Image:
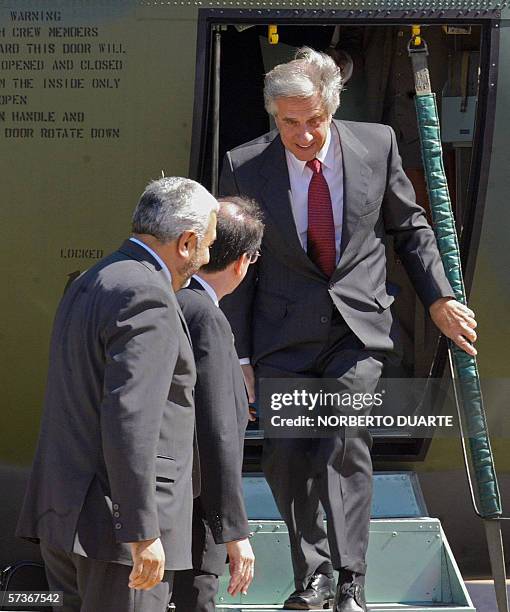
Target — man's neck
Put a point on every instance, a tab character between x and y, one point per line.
154	244
217	281
163	252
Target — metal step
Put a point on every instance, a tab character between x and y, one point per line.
410	564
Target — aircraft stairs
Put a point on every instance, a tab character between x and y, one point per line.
410	564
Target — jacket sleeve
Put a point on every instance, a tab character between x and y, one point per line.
238	306
221	495
140	351
414	240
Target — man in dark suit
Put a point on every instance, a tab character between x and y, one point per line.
110	493
317	304
220	525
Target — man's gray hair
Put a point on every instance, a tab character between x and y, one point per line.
310	73
172	205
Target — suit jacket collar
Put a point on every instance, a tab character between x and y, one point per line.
276	192
197	286
135	251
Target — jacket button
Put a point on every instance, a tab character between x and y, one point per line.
116	514
324	319
118	526
115	506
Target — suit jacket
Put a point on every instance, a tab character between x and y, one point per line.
286	301
219	514
114	458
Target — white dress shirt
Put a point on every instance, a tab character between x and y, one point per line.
156	257
300	175
208	288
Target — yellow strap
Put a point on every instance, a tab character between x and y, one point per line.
272	34
416	35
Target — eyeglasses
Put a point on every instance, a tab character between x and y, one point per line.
253	256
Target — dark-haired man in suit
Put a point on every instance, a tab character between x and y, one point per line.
110	493
317	305
220	525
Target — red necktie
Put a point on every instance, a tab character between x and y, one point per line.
321	226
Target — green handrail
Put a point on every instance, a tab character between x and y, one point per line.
465	365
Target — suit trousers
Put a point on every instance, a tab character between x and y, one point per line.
195	591
90	585
332	475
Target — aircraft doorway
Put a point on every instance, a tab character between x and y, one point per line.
235	54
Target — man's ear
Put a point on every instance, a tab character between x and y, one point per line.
187	244
240	263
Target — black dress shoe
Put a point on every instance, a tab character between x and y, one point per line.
350	597
320	593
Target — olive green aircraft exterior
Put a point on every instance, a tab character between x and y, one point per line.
96	99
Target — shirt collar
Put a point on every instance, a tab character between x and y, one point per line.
164	267
326	156
208	288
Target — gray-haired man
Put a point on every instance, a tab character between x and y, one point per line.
220	525
110	493
318	304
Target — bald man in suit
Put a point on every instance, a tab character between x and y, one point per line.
220	524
